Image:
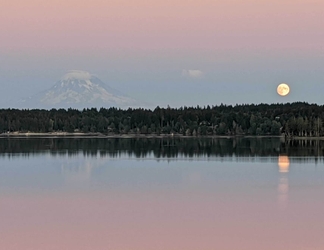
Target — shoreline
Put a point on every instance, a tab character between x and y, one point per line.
116	136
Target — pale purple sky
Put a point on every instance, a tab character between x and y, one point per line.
167	52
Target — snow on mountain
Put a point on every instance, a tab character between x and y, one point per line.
80	89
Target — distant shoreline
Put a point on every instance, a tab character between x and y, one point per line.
288	121
100	135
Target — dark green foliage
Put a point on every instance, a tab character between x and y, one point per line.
293	119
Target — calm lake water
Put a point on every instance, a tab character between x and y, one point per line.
161	194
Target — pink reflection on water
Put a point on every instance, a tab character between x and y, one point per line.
283	185
159	220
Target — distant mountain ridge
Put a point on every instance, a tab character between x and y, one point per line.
80	89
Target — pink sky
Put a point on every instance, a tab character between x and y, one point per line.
141	48
160	24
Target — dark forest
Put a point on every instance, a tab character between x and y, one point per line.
290	119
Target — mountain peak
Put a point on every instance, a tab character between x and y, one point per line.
79	89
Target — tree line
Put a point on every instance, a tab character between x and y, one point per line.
291	119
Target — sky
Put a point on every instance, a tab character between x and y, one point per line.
165	52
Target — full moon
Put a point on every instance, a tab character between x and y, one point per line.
283	89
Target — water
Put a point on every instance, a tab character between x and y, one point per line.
143	194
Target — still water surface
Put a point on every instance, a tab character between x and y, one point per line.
174	194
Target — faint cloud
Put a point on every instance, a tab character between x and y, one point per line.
192	73
77	74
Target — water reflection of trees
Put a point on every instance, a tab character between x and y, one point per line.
164	148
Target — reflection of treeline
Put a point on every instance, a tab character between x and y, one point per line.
295	119
163	148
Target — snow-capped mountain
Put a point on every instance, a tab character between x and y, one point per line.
80	89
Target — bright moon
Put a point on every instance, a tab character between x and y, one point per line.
283	89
